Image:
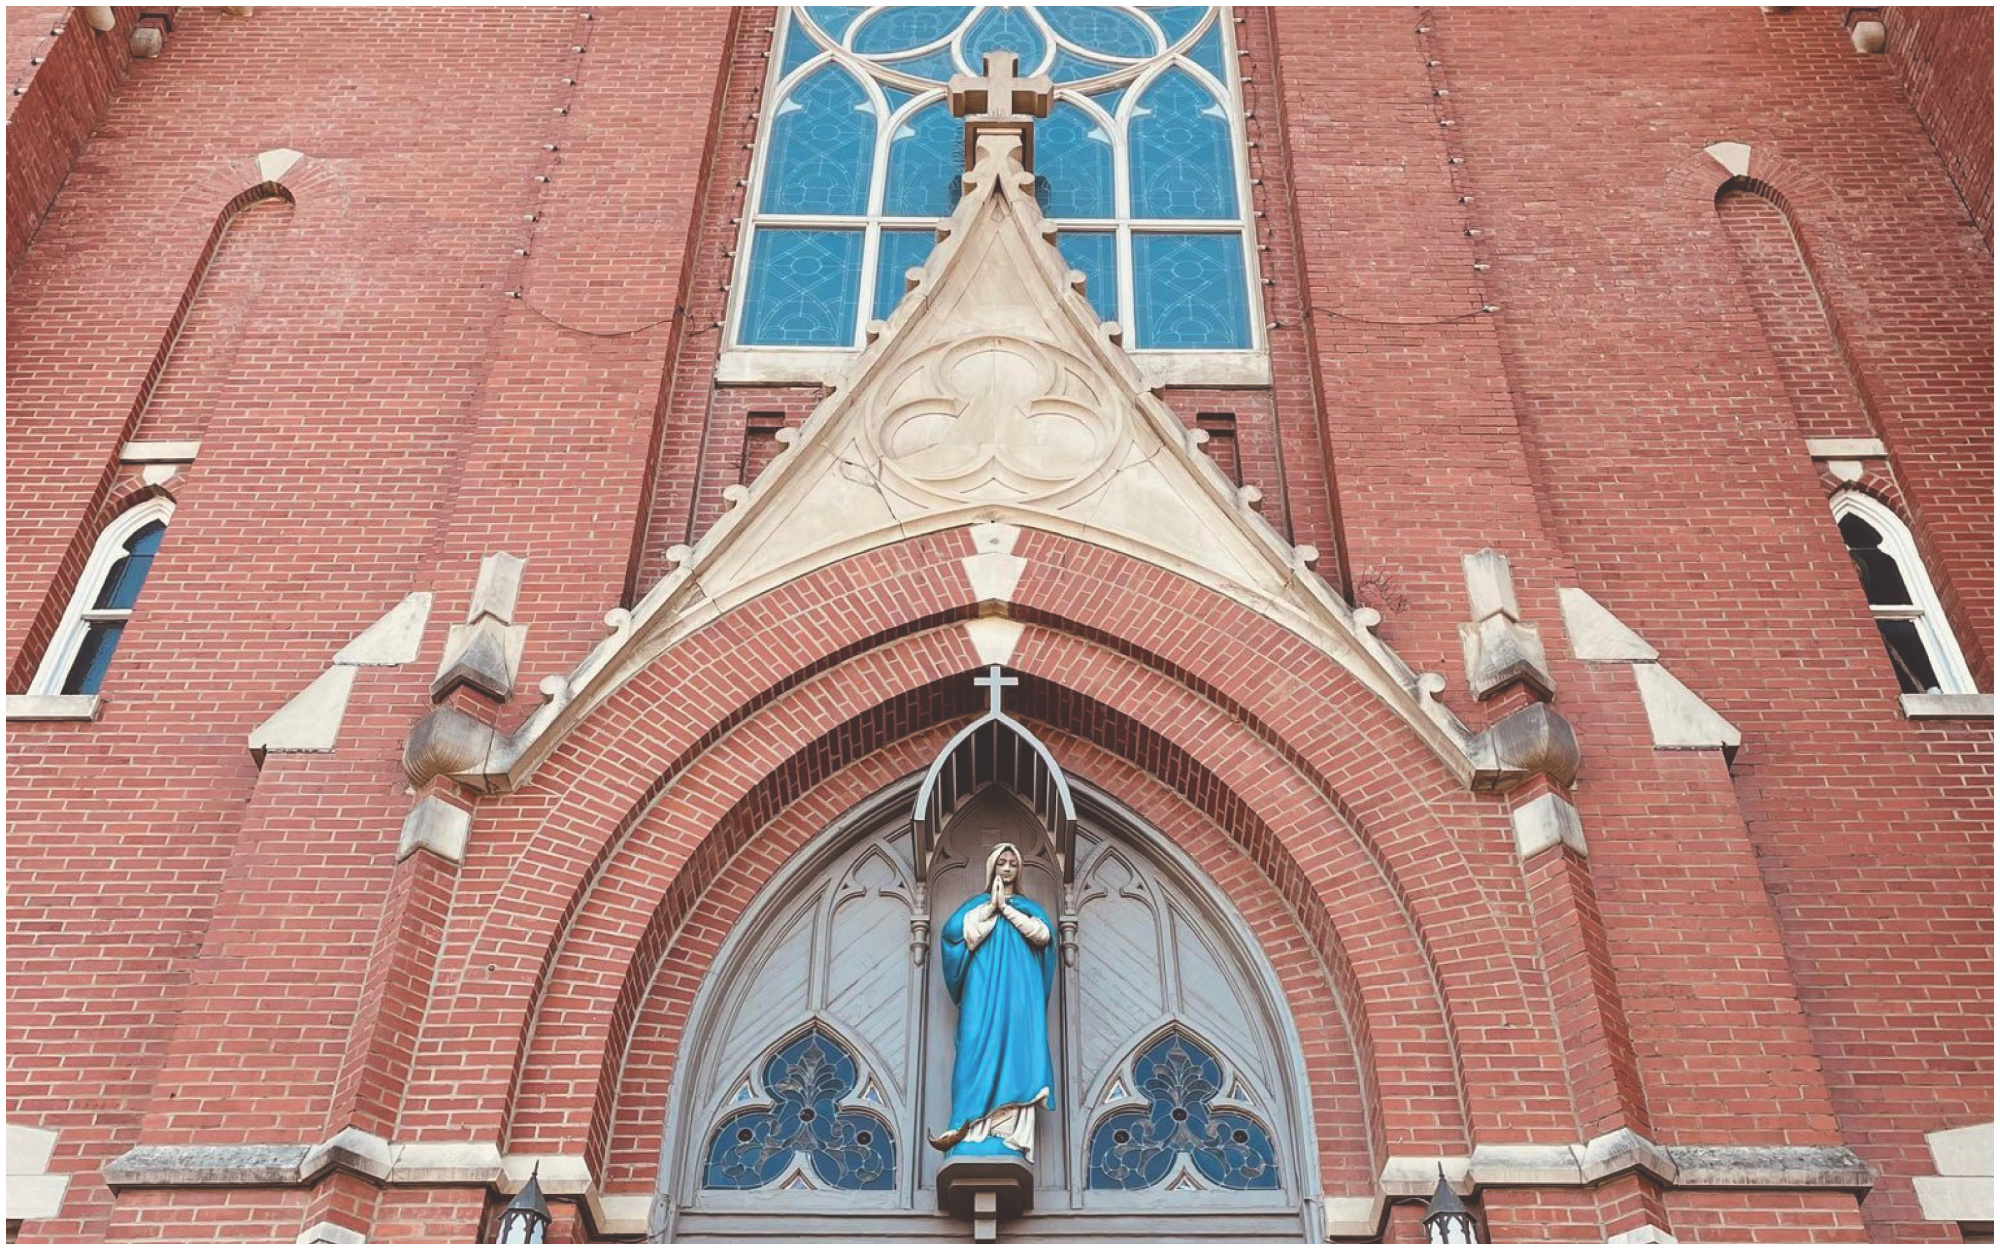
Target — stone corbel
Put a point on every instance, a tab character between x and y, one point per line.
485	652
1534	739
1500	648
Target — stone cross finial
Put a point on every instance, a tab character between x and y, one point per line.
997	102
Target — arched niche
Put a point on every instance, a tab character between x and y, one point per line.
1164	1003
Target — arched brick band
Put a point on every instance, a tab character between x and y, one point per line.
1313	743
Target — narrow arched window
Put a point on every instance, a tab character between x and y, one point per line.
1919	640
1141	164
86	637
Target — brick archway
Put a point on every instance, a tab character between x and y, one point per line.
1404	883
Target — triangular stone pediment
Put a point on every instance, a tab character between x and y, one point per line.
994	397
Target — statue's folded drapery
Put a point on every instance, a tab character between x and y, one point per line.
1001	981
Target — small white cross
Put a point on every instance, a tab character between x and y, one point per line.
997	93
993	682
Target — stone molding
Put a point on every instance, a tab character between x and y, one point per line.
309	722
1680	719
567	1175
1500	648
1962	1190
38	707
1948	706
435	826
328	1233
485	652
33	1192
1547	821
156	452
920	435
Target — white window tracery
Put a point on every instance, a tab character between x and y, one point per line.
86	636
1905	605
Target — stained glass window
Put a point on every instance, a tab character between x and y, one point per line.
1179	1081
803	1121
93	623
804	287
1140	162
1921	647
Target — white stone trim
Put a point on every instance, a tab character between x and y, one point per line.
1954	676
1948	706
1679	718
994	638
394	638
1847	449
34	707
158	453
1962	1191
1732	156
310	721
1596	635
825	366
1548	821
435	826
1643	1235
33	1192
74	624
328	1233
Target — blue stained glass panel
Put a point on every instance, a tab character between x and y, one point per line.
850	1148
822	146
1069	67
1096	255
1136	1149
1189	291
799	48
1207	52
1108	100
128	573
935	66
1005	30
901	250
1072	164
93	658
926	161
904	27
834	18
1101	30
1181	159
804	288
1176	20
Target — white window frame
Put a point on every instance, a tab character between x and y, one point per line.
78	615
1933	628
751	363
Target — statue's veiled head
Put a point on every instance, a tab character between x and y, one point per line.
1003	867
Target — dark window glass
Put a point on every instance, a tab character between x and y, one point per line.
122	583
1906	651
93	659
1881	580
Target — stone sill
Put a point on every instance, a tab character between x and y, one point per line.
823	366
1948	706
36	707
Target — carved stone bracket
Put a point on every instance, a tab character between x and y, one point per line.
1499	648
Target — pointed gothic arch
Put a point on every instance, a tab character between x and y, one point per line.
1161	958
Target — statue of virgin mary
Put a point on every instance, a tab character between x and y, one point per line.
999	966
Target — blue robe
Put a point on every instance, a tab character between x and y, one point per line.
1002	991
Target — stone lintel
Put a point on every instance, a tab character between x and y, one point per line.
1948	706
33	707
1847	449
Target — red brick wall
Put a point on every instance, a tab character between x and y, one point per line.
61	74
1800	942
1944	58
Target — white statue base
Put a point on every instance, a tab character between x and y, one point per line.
985	1190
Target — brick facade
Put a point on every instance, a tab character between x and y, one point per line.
430	285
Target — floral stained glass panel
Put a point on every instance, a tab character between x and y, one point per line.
1182	164
1188	291
806	1081
1180	1080
822	145
804	287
